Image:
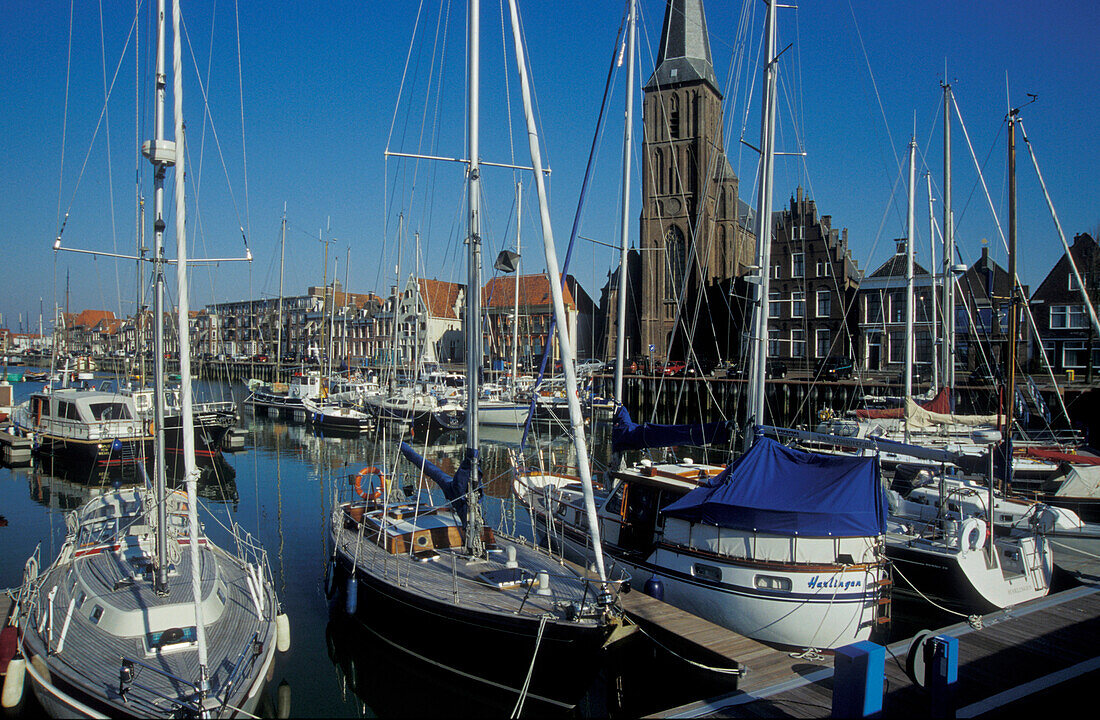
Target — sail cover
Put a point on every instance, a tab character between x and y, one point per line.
454	488
629	435
776	489
939	404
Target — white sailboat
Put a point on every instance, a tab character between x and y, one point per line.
141	614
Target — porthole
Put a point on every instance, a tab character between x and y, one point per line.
772	582
707	572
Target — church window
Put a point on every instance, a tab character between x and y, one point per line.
659	171
676	254
674	117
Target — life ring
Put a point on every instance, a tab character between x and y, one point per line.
152	427
375	494
967	530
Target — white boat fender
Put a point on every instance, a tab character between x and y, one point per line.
13	682
282	632
510	553
282	701
967	539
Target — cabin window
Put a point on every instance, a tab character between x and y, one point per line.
109	410
707	572
615	503
97	613
773	582
165	639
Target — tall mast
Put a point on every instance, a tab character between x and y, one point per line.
759	337
279	321
911	230
568	363
515	316
186	413
162	153
948	356
624	217
933	265
344	309
474	544
1010	386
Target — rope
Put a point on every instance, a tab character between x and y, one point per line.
725	671
518	709
975	621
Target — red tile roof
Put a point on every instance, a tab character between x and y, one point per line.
534	290
441	297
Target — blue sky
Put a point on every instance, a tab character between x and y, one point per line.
320	84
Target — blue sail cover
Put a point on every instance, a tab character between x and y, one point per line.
629	435
454	489
776	489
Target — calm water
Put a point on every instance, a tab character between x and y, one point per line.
281	488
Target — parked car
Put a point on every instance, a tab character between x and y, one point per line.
834	368
587	367
674	367
699	367
773	369
261	357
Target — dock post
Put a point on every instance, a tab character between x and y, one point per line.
941	658
858	672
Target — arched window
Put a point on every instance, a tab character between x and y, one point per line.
659	172
676	258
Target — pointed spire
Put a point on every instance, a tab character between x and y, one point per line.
684	54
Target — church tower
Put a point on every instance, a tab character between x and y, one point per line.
692	234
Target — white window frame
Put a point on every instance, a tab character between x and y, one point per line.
827	295
798	343
820	333
797	259
775	307
822	268
798	304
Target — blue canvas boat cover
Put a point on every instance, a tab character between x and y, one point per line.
629	435
776	489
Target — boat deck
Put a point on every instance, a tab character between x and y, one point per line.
91	658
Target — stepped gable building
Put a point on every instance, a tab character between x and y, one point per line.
692	234
1060	313
812	286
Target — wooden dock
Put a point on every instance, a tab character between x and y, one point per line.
1028	654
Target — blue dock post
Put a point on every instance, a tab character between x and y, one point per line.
858	672
941	660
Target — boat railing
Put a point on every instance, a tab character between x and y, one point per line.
127	678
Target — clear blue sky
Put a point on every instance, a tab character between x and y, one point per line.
321	82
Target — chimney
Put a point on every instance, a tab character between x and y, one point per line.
901	246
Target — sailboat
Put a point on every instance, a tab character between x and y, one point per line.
432	579
141	614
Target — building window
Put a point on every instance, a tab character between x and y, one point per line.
798	304
774	308
822	342
798	343
873	308
897	347
824	303
798	265
1074	354
773	342
777	272
822	268
1073	286
923	348
1067	317
897	307
676	249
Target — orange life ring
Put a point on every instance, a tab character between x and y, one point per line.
376	494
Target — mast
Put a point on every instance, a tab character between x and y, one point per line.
948	354
279	322
186	413
624	217
515	316
911	231
576	420
935	300
474	543
344	310
1010	386
161	154
759	338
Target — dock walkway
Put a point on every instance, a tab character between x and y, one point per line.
1018	654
